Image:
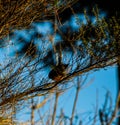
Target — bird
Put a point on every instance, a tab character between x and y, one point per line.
58	72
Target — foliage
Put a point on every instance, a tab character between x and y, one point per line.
91	46
20	14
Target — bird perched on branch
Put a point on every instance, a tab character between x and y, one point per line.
58	72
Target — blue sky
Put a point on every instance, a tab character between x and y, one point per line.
101	82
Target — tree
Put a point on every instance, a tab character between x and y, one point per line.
91	46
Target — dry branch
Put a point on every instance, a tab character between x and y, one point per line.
19	14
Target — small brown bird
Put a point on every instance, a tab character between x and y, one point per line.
58	72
